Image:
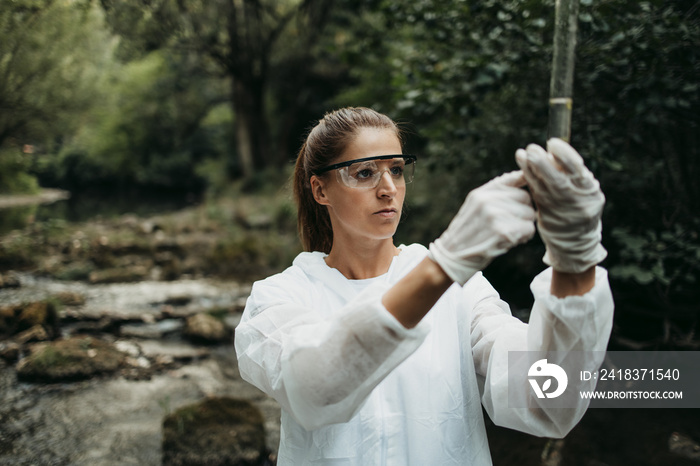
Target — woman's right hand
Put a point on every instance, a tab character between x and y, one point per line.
494	217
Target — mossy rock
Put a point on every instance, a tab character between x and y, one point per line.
213	432
74	271
8	318
130	274
37	313
19	317
76	358
69	298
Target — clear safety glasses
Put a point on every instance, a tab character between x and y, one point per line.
367	172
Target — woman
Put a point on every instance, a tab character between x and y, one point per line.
380	354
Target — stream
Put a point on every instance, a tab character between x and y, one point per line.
116	419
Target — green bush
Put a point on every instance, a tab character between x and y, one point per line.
14	176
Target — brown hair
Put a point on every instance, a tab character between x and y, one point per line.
326	142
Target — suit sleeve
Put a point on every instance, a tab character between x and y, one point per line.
580	324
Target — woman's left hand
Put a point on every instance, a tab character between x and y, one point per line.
569	205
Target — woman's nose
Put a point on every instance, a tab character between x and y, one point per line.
387	186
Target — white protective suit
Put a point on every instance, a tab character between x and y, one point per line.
358	388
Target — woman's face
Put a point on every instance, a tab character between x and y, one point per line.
363	214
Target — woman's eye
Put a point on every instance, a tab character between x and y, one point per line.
364	174
397	171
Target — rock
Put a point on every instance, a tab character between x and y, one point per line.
37	313
179	312
149	226
167	266
8	318
153	331
170	351
216	431
9	280
36	333
118	275
69	298
552	453
684	446
74	271
128	347
205	328
181	300
9	351
76	358
104	324
21	317
169	245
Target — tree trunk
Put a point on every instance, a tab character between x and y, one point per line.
251	128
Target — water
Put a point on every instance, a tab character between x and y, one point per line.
115	420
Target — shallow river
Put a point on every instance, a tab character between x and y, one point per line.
112	420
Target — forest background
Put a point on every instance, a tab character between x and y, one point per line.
212	100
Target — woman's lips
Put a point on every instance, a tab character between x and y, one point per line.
386	213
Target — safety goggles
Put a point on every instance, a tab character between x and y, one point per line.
367	172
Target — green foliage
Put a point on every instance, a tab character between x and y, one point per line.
17	251
456	72
13	173
15	218
670	259
50	52
151	129
265	50
50	58
473	78
640	108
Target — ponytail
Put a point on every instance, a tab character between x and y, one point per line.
313	221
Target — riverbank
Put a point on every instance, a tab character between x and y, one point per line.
239	236
45	196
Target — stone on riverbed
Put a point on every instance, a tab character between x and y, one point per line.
9	280
20	317
153	331
69	298
215	431
76	358
36	333
205	328
134	273
9	351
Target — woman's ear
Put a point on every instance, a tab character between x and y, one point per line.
318	189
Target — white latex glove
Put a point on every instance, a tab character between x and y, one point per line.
494	218
569	205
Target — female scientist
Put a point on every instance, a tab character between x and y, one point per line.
384	355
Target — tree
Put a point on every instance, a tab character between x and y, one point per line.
50	52
146	131
241	41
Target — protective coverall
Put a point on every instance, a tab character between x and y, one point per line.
358	388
